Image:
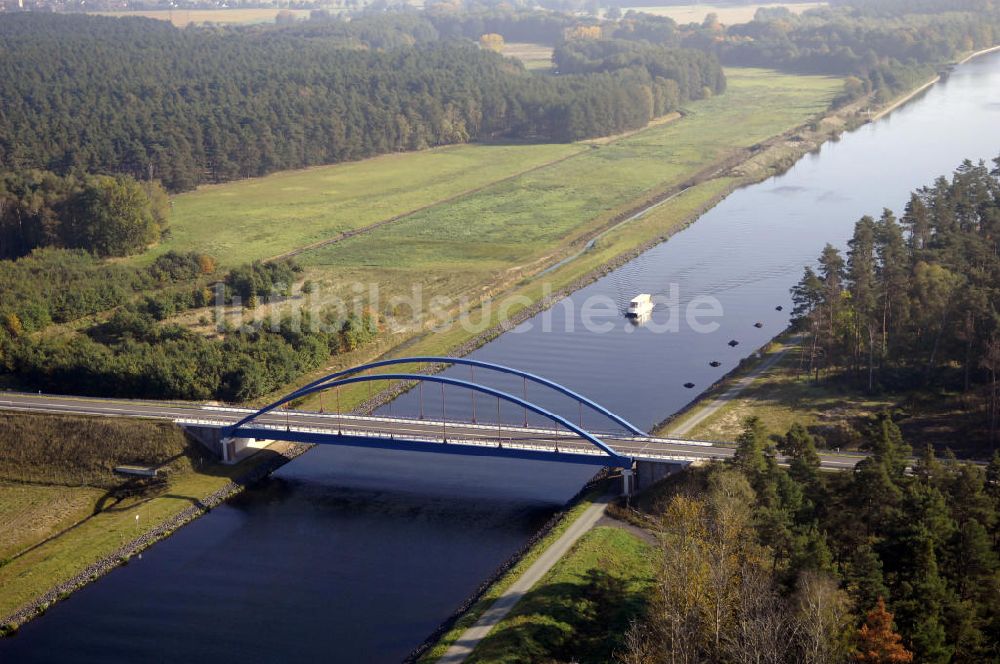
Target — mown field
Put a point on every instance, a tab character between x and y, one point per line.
515	225
534	57
61	507
728	15
184	17
262	217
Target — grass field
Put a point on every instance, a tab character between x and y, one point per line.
470	617
515	225
728	15
781	396
489	241
535	57
263	217
184	17
580	610
58	518
504	228
252	219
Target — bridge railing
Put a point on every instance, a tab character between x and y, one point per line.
503	443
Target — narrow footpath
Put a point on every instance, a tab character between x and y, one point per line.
468	641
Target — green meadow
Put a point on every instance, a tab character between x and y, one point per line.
473	221
246	220
524	219
461	196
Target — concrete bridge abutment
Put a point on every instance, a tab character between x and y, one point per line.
229	450
645	474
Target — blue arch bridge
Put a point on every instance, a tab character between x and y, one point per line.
563	440
235	432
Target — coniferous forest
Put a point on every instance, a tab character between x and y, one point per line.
140	97
895	562
914	301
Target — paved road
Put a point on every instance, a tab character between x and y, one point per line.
431	432
497	611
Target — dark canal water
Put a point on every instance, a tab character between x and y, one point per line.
355	557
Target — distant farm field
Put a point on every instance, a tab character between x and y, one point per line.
727	15
184	17
534	57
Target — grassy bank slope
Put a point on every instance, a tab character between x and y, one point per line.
61	506
835	410
579	611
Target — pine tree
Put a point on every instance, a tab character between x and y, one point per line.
922	597
864	296
885	440
800	446
751	451
865	582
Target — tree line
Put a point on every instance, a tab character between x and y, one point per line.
886	46
124	343
57	286
139	97
759	563
886	51
133	355
109	216
688	73
88	94
915	300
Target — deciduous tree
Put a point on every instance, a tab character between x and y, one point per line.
877	643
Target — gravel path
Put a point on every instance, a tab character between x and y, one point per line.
503	604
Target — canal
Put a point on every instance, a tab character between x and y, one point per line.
356	556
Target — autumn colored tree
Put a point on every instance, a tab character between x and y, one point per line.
14	325
206	264
582	32
877	642
491	41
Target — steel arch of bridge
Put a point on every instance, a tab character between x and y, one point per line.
499	368
611	457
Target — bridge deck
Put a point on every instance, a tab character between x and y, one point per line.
482	439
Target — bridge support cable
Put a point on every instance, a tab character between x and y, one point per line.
526	376
472	379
